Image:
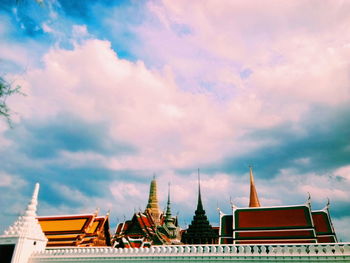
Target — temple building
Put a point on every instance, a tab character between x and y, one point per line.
151	227
275	225
200	231
82	230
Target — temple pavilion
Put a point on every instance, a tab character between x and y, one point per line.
151	227
257	224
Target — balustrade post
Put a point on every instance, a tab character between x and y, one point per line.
283	250
186	250
277	250
312	250
234	249
240	250
337	250
347	249
255	250
200	249
247	250
193	249
263	250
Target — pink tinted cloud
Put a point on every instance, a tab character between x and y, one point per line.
170	127
297	51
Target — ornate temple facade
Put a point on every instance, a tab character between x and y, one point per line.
151	227
275	225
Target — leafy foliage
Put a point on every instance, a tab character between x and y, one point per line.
7	89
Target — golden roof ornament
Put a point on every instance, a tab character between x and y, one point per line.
254	199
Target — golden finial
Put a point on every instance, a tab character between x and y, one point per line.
254	200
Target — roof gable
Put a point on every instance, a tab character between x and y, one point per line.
322	223
65	224
289	217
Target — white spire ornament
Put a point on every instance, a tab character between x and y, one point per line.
26	233
27	225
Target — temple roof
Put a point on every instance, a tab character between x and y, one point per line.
284	217
141	226
69	224
76	230
254	225
279	224
323	225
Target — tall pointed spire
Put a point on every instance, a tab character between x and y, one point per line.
152	206
168	209
254	200
199	231
169	220
199	203
31	208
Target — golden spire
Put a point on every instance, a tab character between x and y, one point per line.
152	206
254	200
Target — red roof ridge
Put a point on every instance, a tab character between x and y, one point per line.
69	216
266	207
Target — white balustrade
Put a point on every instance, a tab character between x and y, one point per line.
341	250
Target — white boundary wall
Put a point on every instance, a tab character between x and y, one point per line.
333	252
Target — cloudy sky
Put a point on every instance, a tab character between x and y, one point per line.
119	90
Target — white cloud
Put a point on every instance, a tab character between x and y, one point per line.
171	128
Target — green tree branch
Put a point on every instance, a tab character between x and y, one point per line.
7	89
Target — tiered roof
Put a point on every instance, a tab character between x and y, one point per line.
133	233
199	231
268	225
76	230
